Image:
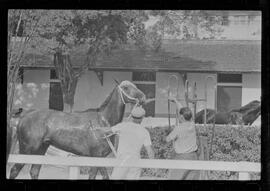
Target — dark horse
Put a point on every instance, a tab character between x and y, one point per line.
15	113
72	132
244	115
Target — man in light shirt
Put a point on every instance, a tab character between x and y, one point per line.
132	137
185	144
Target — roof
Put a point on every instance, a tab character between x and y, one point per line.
199	55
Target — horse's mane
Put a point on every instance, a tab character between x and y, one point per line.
104	104
248	107
101	107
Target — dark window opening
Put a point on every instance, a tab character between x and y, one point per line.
144	76
229	78
56	101
149	91
228	98
225	20
53	74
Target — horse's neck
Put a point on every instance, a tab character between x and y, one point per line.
113	111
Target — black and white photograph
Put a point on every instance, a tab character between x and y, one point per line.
134	94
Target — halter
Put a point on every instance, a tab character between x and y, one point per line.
128	96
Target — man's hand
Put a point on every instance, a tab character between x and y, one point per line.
172	99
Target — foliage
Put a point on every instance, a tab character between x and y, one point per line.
100	31
186	25
22	26
229	144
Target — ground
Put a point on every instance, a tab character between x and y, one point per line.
58	173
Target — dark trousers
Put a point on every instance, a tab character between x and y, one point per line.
182	174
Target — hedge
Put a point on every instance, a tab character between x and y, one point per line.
229	144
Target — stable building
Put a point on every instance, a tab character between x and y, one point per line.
234	65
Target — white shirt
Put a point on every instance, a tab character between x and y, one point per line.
185	135
132	137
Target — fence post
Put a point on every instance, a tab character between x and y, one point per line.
244	176
74	172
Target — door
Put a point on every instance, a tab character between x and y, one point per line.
228	98
146	82
149	91
56	97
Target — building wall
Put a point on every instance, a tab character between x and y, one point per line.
91	94
200	79
162	87
251	89
34	92
242	27
161	104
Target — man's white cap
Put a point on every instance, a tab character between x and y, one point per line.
138	112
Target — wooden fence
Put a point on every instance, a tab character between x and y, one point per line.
244	168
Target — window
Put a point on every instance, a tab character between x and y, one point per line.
229	92
146	82
229	78
53	75
240	20
56	96
144	76
225	20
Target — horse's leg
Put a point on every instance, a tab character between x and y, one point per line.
35	168
93	172
15	170
103	171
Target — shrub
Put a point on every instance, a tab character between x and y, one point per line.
229	144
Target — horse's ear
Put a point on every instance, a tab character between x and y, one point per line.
116	81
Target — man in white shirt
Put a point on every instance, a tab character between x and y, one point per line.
132	137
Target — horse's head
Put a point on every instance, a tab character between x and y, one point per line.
130	93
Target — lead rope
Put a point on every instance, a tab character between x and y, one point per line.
110	144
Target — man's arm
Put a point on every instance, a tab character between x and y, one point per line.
178	103
150	152
112	129
173	135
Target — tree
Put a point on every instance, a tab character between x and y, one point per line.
185	25
98	31
22	26
60	32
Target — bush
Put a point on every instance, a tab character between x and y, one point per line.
229	144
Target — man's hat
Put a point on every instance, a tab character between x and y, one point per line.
138	112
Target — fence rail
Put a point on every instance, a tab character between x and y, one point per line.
244	168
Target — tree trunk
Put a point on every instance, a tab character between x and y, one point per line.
68	79
67	108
